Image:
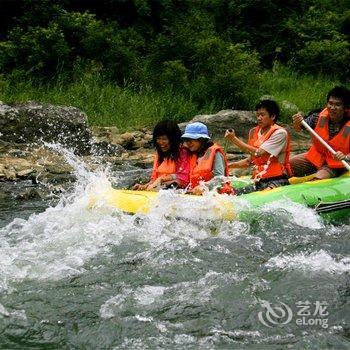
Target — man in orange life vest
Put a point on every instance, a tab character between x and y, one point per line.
208	159
333	125
268	148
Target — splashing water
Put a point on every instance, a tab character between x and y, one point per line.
315	261
56	243
99	278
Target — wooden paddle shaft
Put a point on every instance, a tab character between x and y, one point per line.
324	143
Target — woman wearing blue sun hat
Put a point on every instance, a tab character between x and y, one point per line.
208	158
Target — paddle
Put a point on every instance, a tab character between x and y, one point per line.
324	143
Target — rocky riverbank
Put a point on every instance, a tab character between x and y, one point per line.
30	133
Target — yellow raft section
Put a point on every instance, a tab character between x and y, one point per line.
215	207
129	201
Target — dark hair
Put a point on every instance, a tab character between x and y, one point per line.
170	129
205	144
340	93
271	106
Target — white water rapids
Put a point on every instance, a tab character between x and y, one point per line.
173	277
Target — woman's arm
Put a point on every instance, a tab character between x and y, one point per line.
142	187
219	165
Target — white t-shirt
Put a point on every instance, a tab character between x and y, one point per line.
276	144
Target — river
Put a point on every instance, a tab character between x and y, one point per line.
79	278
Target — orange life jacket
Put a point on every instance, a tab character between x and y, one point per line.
166	167
267	166
318	154
203	171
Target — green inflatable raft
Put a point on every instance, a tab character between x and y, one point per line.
329	198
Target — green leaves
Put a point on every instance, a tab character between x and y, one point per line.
35	52
208	49
328	57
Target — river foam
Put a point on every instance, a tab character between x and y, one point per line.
58	242
321	261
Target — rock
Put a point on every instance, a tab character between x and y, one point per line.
143	143
18	164
58	168
103	136
127	140
18	153
143	139
103	131
34	122
140	156
25	173
2	169
55	179
29	193
240	121
104	148
10	174
300	141
130	140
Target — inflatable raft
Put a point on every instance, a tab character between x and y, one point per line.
329	198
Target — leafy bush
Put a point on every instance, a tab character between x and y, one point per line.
328	57
37	52
39	13
174	75
209	50
227	73
42	52
318	45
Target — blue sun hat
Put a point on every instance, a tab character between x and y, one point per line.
196	131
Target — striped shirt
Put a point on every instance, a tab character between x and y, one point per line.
334	128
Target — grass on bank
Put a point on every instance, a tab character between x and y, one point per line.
295	92
109	105
106	104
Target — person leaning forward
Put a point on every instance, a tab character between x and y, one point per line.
333	124
268	148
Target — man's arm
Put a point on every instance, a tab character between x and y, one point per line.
311	120
244	163
251	150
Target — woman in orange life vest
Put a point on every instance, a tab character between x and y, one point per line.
171	166
208	159
268	148
333	125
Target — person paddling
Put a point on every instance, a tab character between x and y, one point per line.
171	166
332	123
268	147
208	159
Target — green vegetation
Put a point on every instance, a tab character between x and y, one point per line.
295	92
131	63
107	104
